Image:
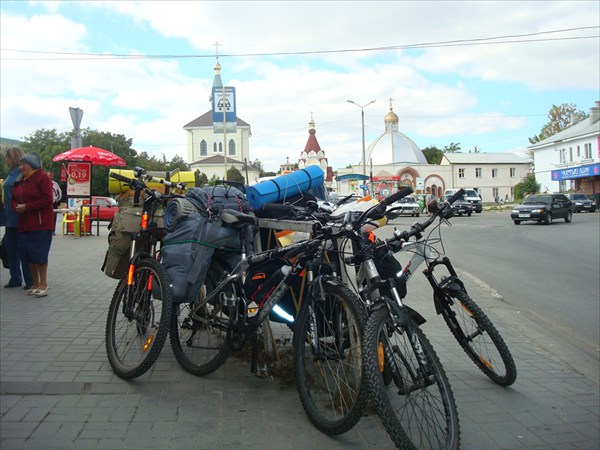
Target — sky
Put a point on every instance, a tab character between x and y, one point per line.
480	74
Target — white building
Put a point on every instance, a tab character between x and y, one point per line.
492	175
569	161
207	150
397	160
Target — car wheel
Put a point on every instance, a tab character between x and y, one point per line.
459	214
469	214
569	216
417	214
548	218
517	222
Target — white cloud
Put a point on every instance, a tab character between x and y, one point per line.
438	93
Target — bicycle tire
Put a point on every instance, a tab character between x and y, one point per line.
339	317
200	348
416	416
133	345
478	337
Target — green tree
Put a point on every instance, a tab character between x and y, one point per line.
452	148
559	118
233	174
527	186
433	155
200	178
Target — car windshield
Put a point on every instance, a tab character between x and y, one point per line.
407	200
578	197
471	193
538	199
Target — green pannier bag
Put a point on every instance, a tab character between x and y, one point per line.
125	222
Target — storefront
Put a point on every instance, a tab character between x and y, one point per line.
585	178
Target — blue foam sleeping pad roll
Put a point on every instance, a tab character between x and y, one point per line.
285	186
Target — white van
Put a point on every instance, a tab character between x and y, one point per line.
471	196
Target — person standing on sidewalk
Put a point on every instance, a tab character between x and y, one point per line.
32	200
19	270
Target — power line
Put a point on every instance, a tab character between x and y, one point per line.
494	40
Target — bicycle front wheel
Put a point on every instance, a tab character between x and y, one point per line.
328	357
199	330
478	337
138	320
408	385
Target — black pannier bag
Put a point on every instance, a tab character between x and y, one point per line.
193	235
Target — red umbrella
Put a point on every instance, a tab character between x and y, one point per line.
97	156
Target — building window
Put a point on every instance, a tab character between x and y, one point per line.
579	151
461	173
495	194
563	155
587	149
478	172
203	148
513	172
494	173
231	150
570	153
218	148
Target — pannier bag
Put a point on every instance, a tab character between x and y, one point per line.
193	236
125	222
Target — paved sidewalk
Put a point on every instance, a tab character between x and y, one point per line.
57	389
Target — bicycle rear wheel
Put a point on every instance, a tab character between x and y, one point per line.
478	337
408	385
135	338
327	346
199	341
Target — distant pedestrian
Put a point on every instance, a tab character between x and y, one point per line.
597	197
18	267
32	201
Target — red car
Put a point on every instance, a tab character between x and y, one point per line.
107	208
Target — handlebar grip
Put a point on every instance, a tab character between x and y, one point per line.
118	176
397	196
456	195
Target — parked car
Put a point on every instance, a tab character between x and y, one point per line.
460	206
582	202
407	205
543	208
471	196
107	208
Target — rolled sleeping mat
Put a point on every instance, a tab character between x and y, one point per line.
285	186
177	209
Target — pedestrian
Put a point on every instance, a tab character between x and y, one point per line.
18	267
597	198
32	200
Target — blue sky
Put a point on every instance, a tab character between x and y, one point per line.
493	95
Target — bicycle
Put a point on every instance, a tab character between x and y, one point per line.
139	314
471	327
408	385
327	333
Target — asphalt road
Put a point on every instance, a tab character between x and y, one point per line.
548	272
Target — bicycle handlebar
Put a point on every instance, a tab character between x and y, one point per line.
137	183
417	228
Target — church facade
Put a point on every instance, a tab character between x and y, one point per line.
396	161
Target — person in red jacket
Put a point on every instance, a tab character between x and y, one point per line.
32	201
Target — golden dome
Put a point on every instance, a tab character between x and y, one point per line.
391	117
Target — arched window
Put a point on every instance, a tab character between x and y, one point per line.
203	148
231	150
218	147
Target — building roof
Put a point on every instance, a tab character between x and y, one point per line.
485	158
206	120
216	160
585	127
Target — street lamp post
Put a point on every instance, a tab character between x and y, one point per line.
362	117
